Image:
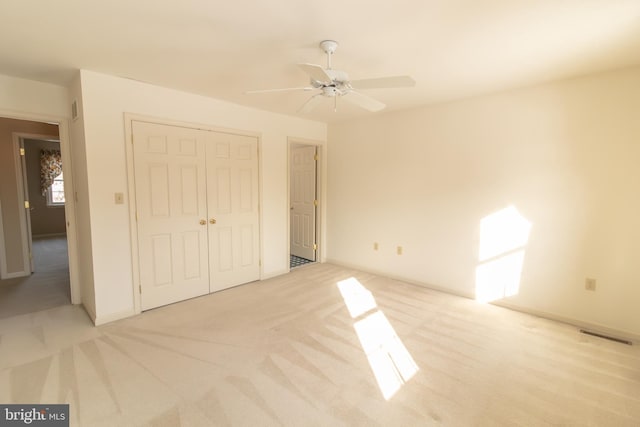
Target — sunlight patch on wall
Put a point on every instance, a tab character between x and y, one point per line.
503	239
390	361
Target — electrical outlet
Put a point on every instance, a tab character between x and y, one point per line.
375	246
399	250
590	284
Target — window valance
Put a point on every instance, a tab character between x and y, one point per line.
50	168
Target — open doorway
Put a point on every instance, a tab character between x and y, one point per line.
303	200
35	261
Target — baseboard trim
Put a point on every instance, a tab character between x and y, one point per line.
44	236
113	317
581	324
17	274
273	274
401	278
90	312
628	335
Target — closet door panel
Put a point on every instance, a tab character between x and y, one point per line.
232	183
170	182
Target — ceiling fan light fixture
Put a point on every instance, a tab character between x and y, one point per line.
330	91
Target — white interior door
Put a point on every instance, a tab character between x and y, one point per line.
303	202
232	198
27	206
170	182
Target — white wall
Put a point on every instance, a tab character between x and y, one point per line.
28	96
105	100
565	155
82	196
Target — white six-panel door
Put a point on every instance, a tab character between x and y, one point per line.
197	211
232	196
170	178
302	198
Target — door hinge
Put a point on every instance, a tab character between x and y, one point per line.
26	204
315	157
21	151
315	247
140	288
315	202
259	263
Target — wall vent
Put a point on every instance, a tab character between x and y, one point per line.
606	337
74	109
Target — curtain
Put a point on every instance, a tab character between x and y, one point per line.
50	168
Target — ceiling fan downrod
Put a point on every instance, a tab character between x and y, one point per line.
329	46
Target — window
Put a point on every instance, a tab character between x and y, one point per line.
51	179
55	193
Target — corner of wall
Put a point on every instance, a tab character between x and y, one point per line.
81	195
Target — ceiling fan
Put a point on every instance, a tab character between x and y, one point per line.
332	83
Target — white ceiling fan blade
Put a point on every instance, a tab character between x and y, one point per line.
286	89
363	101
316	72
383	82
311	103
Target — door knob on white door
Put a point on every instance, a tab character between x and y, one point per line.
212	221
203	222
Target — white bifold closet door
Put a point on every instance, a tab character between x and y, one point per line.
197	211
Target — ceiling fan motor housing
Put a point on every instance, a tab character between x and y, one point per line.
330	91
339	84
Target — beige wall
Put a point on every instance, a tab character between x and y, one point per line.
11	211
565	155
45	220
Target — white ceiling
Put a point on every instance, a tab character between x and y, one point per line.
452	48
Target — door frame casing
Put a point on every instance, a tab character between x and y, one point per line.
129	118
69	207
320	196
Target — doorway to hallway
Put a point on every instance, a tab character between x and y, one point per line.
303	199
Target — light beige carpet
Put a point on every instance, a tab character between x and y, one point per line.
321	346
46	288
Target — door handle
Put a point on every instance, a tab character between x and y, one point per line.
212	221
203	222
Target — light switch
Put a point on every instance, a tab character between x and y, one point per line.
119	198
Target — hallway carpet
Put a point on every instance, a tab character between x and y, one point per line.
46	288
